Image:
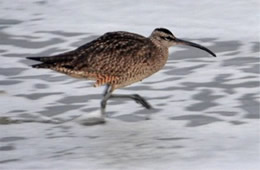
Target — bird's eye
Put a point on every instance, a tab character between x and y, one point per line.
169	38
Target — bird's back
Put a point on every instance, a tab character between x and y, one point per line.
116	58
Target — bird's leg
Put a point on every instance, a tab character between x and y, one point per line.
107	89
107	95
135	97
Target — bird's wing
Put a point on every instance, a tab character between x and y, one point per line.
106	59
114	54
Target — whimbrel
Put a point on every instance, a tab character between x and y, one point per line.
117	59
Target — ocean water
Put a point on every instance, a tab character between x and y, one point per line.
206	110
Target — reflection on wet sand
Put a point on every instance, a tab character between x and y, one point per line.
204	109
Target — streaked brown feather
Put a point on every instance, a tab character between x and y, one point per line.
116	58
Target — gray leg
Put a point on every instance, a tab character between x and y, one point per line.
135	97
108	94
107	90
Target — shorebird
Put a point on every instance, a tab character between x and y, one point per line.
117	59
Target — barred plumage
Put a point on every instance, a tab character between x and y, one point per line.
117	59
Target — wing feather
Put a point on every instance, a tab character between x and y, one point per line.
114	53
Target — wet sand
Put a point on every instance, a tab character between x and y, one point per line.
205	116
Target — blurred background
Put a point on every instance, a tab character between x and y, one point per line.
206	110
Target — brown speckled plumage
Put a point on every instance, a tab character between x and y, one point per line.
117	59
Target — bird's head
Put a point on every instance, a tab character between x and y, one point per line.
164	37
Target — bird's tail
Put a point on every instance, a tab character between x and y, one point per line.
43	65
48	62
45	62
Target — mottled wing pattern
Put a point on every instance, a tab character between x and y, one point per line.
111	58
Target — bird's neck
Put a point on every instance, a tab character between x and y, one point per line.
159	45
163	51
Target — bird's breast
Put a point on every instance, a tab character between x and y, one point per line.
144	69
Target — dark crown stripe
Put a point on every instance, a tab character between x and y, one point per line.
164	30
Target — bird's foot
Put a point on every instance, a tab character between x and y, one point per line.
141	101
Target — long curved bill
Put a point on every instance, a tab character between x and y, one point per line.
184	42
